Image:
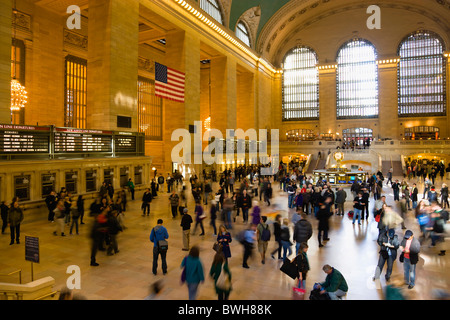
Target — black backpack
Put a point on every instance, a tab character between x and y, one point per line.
265	234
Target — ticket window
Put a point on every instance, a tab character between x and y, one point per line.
48	184
91	181
22	187
71	182
108	175
138	175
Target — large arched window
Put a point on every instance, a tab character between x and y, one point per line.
357	80
212	8
300	85
421	75
242	33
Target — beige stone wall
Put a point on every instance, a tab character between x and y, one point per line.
5	61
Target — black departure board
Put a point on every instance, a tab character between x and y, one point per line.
16	139
125	142
70	140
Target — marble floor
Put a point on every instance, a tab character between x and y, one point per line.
352	249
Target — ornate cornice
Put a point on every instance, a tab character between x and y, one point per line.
75	39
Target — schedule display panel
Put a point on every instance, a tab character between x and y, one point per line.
23	139
71	140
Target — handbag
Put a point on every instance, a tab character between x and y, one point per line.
217	247
223	281
402	257
298	293
290	268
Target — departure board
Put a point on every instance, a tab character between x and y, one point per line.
70	140
125	142
16	139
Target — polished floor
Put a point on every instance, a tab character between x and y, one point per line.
352	249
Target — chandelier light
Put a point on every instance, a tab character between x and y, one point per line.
18	95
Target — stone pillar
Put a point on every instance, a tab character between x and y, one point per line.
5	60
223	93
327	101
387	102
182	54
245	101
112	63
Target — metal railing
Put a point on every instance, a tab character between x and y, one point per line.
19	271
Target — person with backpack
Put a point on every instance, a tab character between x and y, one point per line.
263	237
219	269
158	235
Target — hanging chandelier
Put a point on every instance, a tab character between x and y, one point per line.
18	95
18	92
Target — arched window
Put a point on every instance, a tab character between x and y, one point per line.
421	76
242	33
357	80
212	8
300	85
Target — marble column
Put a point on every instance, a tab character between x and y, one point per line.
5	60
387	102
112	63
327	101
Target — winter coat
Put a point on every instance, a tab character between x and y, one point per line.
302	231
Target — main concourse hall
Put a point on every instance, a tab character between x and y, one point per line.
121	113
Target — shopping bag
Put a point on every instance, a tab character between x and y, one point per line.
290	268
298	293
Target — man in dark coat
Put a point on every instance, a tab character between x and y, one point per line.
323	215
51	201
302	231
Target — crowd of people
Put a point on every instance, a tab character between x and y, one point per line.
233	197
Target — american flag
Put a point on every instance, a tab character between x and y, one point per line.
169	83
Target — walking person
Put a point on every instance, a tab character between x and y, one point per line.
75	213
410	248
286	239
389	243
224	239
248	241
59	217
114	228
98	234
158	235
277	235
341	197
80	207
263	237
302	232
146	200
186	221
174	200
199	217
358	206
194	271
219	267
323	215
15	218
130	185
51	201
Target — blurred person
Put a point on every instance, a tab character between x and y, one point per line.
213	216
394	289
98	234
4	208
410	248
194	271
59	217
174	200
114	228
224	238
262	237
248	242
199	217
15	218
340	199
218	266
186	221
277	235
75	215
323	215
80	207
389	243
286	239
335	284
156	289
444	196
159	233
51	201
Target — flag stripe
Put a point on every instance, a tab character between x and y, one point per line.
173	88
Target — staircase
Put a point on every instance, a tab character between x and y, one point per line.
316	164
